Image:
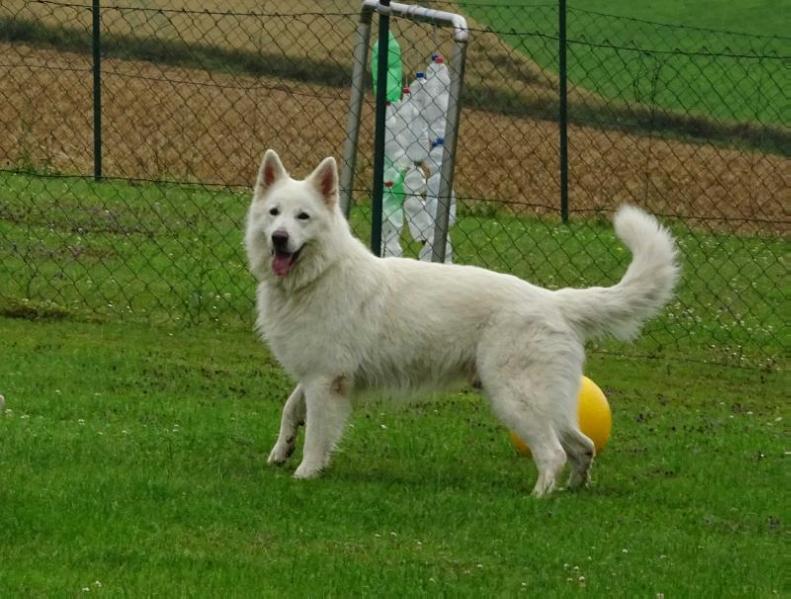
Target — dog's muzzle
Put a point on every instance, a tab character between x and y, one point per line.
282	259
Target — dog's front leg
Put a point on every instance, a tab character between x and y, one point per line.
293	417
328	407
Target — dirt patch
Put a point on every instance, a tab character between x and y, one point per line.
193	125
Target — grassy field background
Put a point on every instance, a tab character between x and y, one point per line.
622	51
619	67
757	17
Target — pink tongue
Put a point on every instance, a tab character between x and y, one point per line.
281	264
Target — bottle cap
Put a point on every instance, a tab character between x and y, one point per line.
388	183
440	141
406	90
420	75
439	59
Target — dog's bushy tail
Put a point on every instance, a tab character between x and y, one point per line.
646	287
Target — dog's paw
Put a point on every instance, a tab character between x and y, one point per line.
280	453
578	480
306	471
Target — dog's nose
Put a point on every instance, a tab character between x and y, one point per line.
280	239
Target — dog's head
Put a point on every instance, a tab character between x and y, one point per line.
290	222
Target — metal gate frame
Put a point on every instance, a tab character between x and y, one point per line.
460	37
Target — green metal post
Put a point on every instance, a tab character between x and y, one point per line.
379	134
563	116
97	92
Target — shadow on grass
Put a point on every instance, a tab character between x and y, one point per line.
33	310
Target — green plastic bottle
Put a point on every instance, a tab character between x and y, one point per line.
395	193
394	69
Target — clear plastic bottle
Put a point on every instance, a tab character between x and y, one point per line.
394	153
437	88
434	161
440	70
418	87
411	130
417	217
419	149
434	164
417	144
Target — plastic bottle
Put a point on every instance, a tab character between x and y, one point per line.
418	150
392	212
394	69
417	146
394	153
438	68
437	88
434	164
435	155
418	87
411	130
417	217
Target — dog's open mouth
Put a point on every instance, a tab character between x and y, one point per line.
283	262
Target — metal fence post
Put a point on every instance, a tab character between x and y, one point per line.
379	133
97	92
563	113
355	111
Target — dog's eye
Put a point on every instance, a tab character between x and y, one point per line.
303	216
274	211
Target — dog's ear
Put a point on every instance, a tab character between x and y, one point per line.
271	171
325	180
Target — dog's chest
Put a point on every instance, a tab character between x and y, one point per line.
306	333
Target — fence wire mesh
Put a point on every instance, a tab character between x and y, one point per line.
690	123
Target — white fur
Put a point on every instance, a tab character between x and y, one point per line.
343	322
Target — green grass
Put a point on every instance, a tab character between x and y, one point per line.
134	457
755	17
172	254
678	71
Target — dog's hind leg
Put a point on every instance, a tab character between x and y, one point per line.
580	451
327	408
531	376
519	405
293	417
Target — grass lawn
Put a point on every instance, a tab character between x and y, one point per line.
133	463
602	58
756	17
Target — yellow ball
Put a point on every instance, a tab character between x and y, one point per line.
593	413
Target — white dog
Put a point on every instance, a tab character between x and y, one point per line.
342	321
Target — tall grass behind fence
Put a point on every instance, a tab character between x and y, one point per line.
690	123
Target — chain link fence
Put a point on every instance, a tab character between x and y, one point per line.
144	220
